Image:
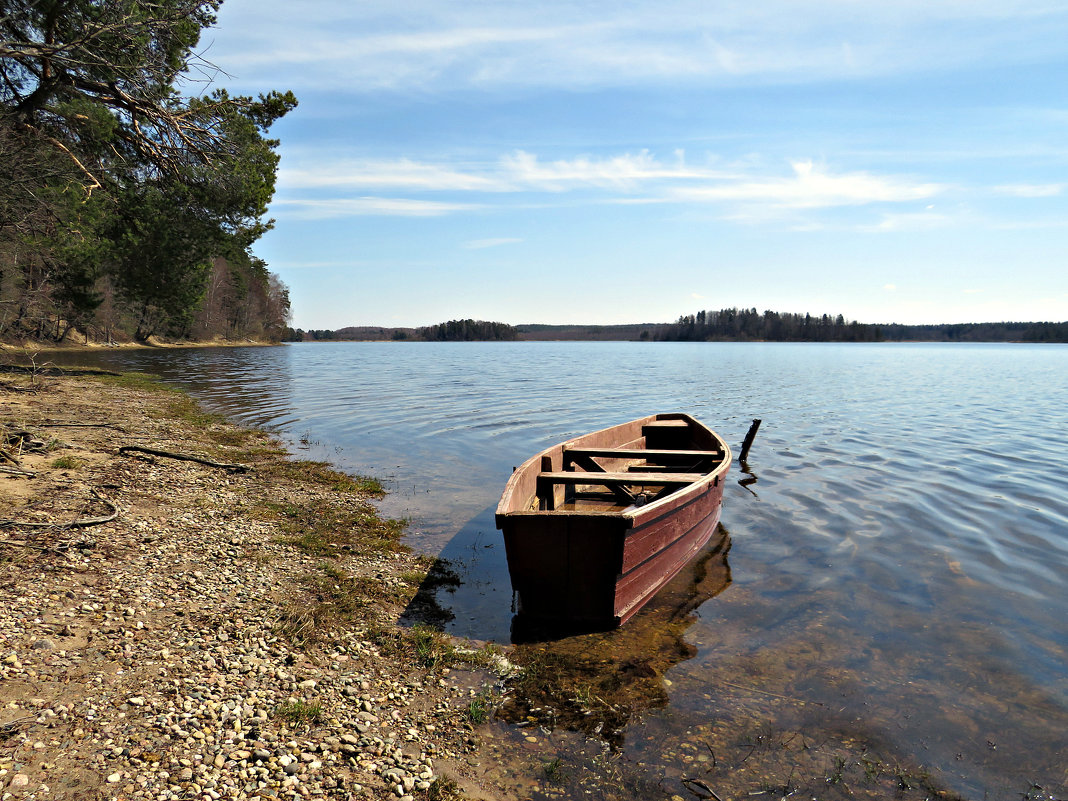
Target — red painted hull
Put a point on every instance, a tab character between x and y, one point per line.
585	563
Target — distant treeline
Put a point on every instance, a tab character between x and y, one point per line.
978	332
451	331
748	324
725	325
468	331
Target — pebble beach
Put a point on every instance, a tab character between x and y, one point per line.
197	645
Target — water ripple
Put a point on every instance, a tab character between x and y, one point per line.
915	495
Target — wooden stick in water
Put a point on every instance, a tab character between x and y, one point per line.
748	442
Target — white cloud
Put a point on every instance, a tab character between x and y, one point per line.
813	187
321	209
746	192
511	173
399	173
431	44
623	172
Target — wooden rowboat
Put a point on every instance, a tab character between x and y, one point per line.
594	526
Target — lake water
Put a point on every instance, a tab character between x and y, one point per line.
894	569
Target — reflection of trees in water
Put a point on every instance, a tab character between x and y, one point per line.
594	683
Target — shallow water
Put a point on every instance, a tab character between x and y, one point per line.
899	562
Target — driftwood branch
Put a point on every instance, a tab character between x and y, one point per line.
16	471
234	468
14	725
76	425
83	522
61	548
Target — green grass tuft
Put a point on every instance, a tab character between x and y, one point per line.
298	713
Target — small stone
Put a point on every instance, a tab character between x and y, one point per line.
20	780
114	777
44	644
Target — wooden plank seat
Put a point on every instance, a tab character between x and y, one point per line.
618	483
615	479
654	461
640	453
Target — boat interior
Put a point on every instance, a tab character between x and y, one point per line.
611	479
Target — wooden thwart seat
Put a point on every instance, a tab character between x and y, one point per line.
655	460
615	479
618	483
641	453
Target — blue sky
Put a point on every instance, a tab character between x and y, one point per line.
613	162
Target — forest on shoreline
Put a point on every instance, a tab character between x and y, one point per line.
724	325
128	209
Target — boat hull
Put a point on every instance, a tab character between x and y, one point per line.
590	569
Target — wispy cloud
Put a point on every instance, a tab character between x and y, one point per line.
512	172
812	186
312	209
626	171
747	193
437	43
394	173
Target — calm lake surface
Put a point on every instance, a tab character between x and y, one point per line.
900	561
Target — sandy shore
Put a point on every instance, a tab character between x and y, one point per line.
173	630
23	349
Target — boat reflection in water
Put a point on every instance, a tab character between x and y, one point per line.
594	683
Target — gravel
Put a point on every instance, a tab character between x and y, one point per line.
144	658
